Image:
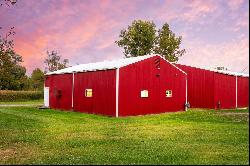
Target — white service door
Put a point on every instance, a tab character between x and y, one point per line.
46	96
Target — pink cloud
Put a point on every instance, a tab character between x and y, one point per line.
54	32
197	9
234	4
188	11
207	55
240	22
85	31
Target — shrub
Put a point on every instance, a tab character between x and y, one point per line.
7	95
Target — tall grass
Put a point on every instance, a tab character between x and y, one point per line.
10	96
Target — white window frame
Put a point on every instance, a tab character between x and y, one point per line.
169	94
144	93
87	91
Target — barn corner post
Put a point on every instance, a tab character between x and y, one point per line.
117	93
73	84
186	102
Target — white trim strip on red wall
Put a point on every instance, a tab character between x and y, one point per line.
73	84
186	92
171	63
117	93
236	101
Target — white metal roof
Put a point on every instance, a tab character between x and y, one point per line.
114	64
105	65
230	73
221	71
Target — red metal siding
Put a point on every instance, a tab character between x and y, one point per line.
224	91
200	87
207	88
142	76
243	92
103	85
61	82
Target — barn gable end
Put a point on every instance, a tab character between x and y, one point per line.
153	76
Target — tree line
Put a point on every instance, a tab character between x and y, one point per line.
13	76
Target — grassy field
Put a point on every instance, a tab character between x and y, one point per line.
32	136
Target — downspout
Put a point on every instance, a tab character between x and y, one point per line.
117	93
73	84
236	101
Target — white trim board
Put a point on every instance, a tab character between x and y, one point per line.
236	92
73	85
186	92
117	93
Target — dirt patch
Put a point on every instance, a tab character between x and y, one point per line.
18	153
7	153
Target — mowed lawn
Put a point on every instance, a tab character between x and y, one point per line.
32	136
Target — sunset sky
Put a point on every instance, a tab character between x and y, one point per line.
215	32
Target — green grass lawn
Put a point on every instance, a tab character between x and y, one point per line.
32	136
32	102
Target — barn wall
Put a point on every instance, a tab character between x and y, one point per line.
200	87
142	76
103	85
61	82
225	91
207	88
243	92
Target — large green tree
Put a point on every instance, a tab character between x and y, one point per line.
53	62
10	69
138	38
168	45
37	79
142	38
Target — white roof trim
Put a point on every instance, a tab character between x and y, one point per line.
220	71
171	63
105	65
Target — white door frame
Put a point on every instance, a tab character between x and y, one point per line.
46	96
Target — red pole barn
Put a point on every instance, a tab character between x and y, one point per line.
216	89
132	86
